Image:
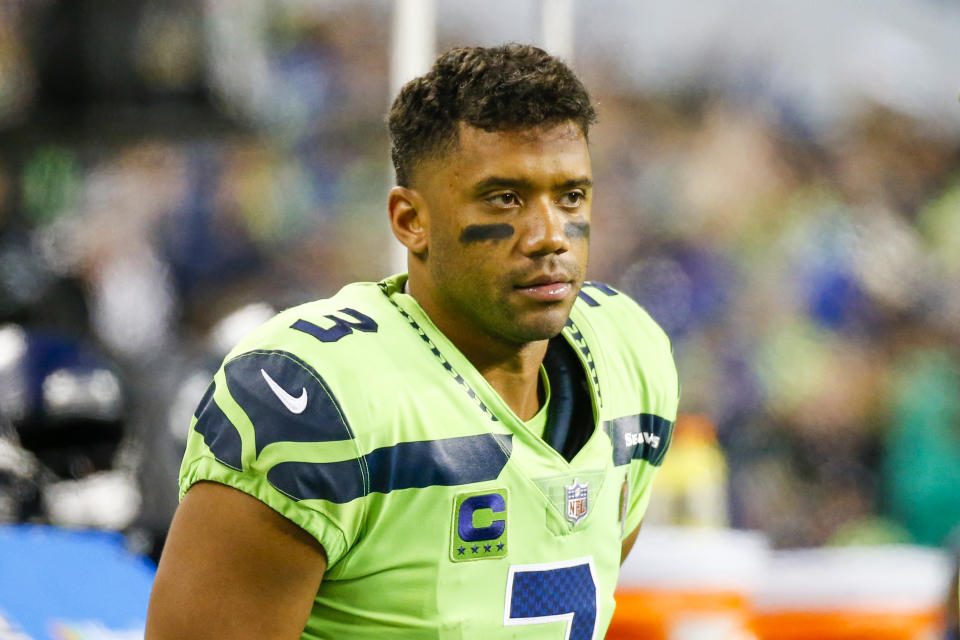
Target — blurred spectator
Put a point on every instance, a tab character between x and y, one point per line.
922	461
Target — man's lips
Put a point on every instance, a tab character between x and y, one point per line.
547	289
556	277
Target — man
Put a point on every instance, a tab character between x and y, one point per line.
464	452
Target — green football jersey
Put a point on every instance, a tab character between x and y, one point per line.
441	514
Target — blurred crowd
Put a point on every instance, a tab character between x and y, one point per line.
172	172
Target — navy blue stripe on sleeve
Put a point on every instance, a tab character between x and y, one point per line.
406	465
218	432
642	436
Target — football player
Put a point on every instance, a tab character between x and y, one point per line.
462	451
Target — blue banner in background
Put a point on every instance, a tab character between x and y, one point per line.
58	584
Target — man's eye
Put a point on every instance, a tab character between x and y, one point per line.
572	199
504	200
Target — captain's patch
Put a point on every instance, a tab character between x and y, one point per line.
479	528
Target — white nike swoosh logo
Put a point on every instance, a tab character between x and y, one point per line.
296	405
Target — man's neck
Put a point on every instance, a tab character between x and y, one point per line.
512	370
514	375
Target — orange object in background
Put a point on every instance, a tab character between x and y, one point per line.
689	584
719	584
850	625
890	592
673	615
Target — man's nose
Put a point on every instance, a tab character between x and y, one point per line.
545	229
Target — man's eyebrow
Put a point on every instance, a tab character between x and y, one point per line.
576	183
499	182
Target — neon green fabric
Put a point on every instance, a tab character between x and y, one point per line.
442	515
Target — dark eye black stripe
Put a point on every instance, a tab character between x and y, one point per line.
577	229
481	232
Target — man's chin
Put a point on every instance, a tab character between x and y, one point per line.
544	327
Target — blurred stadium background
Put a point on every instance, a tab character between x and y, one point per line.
778	184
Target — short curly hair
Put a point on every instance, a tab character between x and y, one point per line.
491	88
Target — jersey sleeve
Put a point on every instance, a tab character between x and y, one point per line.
642	386
270	426
656	431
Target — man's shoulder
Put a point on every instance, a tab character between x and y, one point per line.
357	308
616	317
630	346
338	342
316	372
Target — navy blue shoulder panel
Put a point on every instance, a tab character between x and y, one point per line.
406	465
285	399
642	436
217	431
337	482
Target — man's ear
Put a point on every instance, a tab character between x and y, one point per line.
409	219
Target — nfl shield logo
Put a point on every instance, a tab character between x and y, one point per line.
576	501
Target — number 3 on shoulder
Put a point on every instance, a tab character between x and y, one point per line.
554	591
598	286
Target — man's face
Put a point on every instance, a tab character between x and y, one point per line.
508	230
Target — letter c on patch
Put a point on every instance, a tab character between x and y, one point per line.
465	529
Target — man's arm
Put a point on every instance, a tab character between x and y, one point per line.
232	567
627	543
